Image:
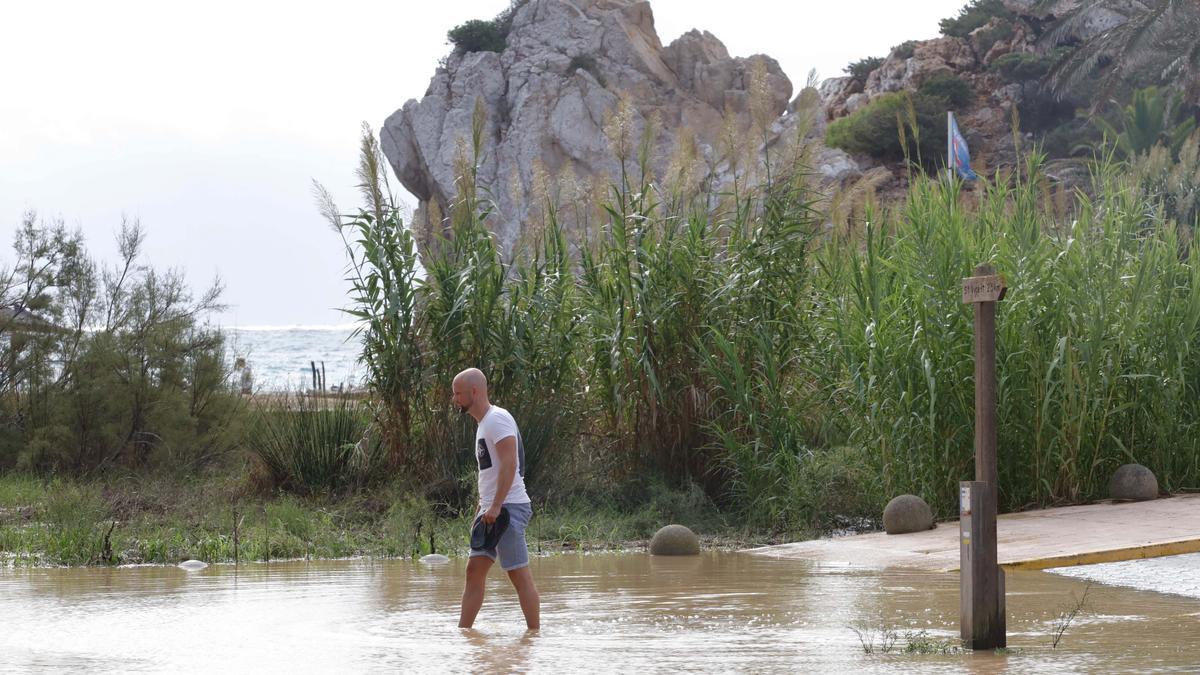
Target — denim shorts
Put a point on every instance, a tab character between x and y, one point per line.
511	550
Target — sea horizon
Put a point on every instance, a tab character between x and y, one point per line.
283	357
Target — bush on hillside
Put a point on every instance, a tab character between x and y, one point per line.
1022	66
482	35
1041	111
874	129
988	37
1075	137
974	15
948	89
859	70
905	49
478	35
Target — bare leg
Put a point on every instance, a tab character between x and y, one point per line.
527	593
472	599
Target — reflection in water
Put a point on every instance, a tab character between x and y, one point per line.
717	611
498	654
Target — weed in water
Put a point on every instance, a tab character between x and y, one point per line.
920	642
1074	609
875	637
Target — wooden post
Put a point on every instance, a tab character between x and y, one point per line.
982	580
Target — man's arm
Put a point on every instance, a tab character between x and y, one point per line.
506	454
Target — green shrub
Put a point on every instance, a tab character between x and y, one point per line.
478	35
975	14
948	90
1075	137
1021	66
904	50
123	372
987	38
859	70
874	128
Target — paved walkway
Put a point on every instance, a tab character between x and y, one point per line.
1059	537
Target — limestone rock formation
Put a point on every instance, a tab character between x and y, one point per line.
555	126
552	108
1095	19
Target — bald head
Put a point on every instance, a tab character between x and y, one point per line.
472	377
469	392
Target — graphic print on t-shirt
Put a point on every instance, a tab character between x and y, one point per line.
484	457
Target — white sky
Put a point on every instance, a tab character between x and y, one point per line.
208	121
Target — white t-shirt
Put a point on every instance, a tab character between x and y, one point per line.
497	424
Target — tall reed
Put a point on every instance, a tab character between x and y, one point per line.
800	372
1094	345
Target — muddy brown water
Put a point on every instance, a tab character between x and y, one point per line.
605	612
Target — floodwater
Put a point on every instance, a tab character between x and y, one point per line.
600	613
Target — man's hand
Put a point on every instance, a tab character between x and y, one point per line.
491	514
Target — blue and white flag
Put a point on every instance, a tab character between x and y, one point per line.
959	155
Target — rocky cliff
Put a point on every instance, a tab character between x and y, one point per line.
1057	63
571	94
576	83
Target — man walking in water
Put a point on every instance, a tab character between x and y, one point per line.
501	458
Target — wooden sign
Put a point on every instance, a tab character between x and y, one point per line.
988	288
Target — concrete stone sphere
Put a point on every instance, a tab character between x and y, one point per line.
907	513
1133	481
675	540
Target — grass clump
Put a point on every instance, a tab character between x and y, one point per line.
309	443
920	642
